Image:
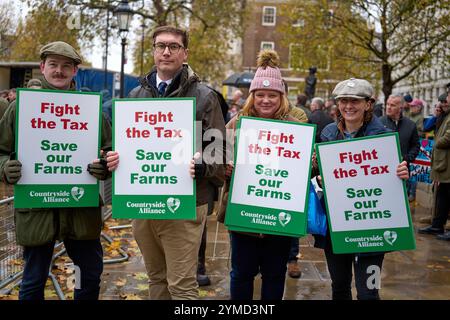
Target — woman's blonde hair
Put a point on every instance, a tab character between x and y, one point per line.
249	107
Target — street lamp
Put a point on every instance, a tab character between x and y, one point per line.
123	14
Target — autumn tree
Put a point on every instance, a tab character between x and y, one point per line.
7	27
211	25
49	21
395	37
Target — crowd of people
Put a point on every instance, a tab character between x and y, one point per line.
173	250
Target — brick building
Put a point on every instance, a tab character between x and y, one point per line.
262	32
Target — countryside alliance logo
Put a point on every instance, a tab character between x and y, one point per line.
77	193
173	204
284	218
390	237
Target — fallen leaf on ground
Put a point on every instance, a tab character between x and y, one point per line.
120	282
8	297
141	276
49	293
15	262
142	287
130	297
202	293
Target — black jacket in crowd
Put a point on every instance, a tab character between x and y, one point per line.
409	137
321	119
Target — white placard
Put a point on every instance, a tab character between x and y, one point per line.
360	167
290	151
177	117
55	120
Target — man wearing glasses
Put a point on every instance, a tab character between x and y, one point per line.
170	247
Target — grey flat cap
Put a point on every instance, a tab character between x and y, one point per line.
353	88
34	83
60	48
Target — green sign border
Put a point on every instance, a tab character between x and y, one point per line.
24	202
336	236
118	202
232	208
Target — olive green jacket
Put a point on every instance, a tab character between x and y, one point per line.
418	120
40	226
298	114
3	106
440	160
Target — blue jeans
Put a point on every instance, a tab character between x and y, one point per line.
293	252
411	186
251	255
86	254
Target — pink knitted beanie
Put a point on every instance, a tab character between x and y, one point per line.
268	75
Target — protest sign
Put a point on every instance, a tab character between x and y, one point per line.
155	141
57	137
420	167
270	181
366	202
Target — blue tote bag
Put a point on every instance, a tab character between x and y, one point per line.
317	218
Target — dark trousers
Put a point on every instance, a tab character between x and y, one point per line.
294	250
251	255
442	205
340	268
86	254
201	268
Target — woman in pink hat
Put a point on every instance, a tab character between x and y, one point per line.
253	253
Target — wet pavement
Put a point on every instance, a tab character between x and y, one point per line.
423	273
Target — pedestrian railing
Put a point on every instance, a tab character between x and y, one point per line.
10	251
11	262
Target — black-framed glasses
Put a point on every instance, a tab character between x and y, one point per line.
161	47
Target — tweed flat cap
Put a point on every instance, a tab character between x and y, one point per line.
62	49
353	88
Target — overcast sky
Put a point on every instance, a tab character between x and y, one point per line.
95	55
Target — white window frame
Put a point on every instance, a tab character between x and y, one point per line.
274	16
271	43
299	23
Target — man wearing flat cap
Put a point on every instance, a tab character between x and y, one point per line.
440	173
37	229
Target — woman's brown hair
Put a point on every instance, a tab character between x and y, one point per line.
368	115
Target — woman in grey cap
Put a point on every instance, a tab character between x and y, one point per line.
354	119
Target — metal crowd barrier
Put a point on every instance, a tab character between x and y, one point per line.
10	251
11	268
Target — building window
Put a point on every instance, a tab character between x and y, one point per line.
299	23
266	45
269	16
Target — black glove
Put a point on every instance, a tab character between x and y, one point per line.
12	171
99	169
200	170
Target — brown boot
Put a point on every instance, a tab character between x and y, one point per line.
294	270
